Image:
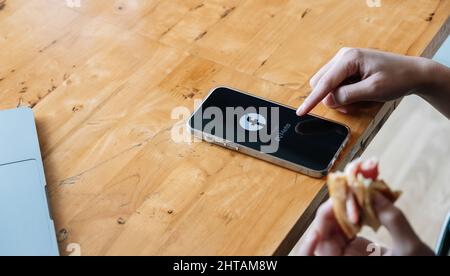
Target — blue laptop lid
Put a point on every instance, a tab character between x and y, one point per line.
26	226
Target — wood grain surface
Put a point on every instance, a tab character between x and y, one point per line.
103	79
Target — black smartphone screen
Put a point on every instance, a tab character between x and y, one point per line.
270	128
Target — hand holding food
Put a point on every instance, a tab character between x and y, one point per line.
352	194
359	198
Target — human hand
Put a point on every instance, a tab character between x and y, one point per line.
356	75
325	238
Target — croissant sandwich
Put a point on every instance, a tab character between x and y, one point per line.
351	192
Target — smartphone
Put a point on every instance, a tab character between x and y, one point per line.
269	131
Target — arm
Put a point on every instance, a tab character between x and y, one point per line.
437	90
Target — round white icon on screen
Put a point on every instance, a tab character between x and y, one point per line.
253	122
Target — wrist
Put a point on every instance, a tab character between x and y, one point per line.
431	78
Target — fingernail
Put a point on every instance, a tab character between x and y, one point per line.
300	111
342	110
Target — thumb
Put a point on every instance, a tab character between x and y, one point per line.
308	246
404	238
351	93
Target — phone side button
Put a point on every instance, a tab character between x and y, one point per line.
232	147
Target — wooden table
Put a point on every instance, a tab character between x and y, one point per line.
104	78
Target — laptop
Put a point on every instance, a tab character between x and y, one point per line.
26	225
